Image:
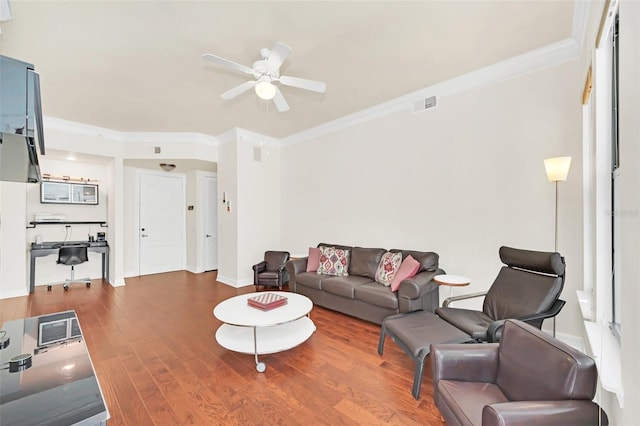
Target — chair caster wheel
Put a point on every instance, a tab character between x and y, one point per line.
66	288
48	288
260	367
88	285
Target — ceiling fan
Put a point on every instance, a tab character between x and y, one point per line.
265	72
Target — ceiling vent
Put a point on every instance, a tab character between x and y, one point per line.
424	104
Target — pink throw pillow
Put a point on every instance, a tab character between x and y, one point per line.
408	269
314	259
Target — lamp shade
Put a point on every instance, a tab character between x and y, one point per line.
265	90
557	168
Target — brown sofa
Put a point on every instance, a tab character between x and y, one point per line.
358	294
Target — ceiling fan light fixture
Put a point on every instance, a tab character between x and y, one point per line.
265	90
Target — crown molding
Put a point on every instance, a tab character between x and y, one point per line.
238	134
134	137
581	11
258	138
547	56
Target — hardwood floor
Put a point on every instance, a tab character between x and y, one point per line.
153	347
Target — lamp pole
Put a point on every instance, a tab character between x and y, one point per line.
555	223
557	169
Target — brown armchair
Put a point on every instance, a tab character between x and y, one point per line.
529	378
271	271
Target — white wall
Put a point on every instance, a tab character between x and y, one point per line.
13	254
460	179
252	223
259	203
228	219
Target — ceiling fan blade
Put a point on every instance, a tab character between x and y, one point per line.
278	54
230	94
303	83
280	102
227	63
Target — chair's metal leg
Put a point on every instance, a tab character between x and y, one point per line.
417	378
381	341
260	366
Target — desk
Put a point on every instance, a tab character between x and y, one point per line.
56	384
52	247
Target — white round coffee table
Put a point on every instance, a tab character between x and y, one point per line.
253	331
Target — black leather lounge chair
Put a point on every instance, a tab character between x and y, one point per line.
527	288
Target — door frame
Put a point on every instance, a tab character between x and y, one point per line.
202	176
135	236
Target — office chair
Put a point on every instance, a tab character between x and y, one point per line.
73	255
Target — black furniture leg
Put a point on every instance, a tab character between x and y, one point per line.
383	334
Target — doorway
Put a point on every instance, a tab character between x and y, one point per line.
162	222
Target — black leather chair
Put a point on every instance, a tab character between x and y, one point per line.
529	378
271	271
73	255
527	288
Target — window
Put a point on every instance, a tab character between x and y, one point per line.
615	174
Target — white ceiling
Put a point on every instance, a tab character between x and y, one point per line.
136	66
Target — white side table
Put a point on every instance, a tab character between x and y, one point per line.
452	281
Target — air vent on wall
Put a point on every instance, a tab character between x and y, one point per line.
423	104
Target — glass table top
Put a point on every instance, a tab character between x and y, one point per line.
46	374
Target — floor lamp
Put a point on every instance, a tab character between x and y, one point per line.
557	169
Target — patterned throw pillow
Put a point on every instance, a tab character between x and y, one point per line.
388	266
333	261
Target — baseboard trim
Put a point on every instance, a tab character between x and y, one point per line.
234	283
13	293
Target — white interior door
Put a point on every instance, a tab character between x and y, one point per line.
162	223
210	223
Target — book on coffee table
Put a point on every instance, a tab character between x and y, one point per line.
267	301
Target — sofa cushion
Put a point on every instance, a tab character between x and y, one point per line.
377	294
313	261
387	268
428	259
408	269
333	261
311	279
344	286
365	261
